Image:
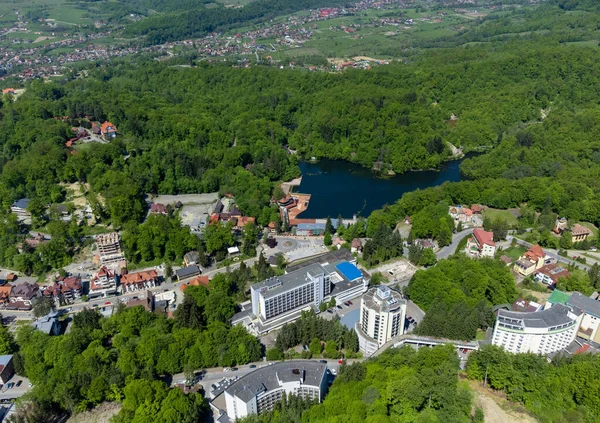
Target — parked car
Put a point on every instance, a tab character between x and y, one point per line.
252	366
10	385
233	369
410	319
323	361
339	307
330	311
347	304
350	302
226	369
391	272
19	382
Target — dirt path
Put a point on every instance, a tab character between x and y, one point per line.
101	414
489	401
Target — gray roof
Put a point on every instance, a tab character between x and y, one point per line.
332	256
5	359
556	315
391	300
267	378
186	272
22	203
585	304
277	285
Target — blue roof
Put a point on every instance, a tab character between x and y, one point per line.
349	271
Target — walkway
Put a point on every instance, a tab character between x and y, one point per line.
448	250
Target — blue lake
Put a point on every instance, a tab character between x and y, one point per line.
341	187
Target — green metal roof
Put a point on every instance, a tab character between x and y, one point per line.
559	297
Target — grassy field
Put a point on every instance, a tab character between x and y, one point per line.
501	214
513	252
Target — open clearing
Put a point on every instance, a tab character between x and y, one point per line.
101	414
496	408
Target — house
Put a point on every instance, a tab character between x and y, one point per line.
19	207
580	233
356	246
233	251
158	208
8	91
507	260
338	242
49	324
560	225
408	220
24	294
108	130
7	368
103	283
460	214
477	209
5	294
71	288
187	272
272	227
482	243
140	280
191	258
550	273
96	130
532	260
243	221
197	281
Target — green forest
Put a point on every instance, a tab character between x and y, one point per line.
564	390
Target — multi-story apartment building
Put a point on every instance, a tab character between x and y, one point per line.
103	283
258	391
540	332
109	248
382	314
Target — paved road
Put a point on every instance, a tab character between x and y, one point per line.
447	251
551	253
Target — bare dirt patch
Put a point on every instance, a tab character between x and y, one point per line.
496	408
101	414
40	39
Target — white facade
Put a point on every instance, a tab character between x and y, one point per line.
260	390
382	315
541	332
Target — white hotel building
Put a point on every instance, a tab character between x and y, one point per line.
258	391
282	299
540	332
382	314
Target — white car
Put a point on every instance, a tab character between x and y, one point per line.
226	369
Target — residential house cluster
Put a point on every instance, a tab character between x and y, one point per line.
19	296
65	290
231	214
578	232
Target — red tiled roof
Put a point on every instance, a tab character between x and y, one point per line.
484	237
108	127
244	220
158	208
197	281
138	277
